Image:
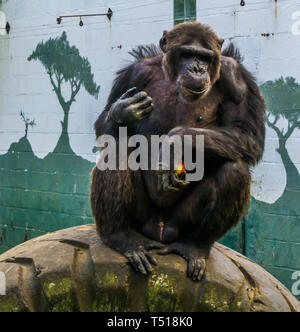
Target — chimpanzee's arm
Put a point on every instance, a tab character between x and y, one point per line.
231	82
127	103
241	131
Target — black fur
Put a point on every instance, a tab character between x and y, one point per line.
145	51
233	52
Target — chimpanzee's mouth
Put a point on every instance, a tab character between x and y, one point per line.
188	91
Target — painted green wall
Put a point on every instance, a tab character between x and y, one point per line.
273	230
43	195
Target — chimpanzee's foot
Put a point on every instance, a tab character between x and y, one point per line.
140	259
195	256
135	248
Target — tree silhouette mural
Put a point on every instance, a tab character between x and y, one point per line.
64	64
283	103
28	122
272	229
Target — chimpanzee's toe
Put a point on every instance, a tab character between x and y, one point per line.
141	260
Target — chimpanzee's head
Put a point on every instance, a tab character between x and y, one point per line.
192	59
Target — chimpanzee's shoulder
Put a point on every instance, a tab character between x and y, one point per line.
233	70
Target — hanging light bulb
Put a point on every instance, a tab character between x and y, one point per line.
243	3
81	22
58	20
7	27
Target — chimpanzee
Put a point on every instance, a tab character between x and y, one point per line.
187	86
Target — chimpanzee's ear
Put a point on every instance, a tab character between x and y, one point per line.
163	41
221	42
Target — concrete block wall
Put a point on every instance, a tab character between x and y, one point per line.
43	188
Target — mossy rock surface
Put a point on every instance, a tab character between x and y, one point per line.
63	277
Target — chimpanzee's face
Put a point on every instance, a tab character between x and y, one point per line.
192	72
189	66
192	55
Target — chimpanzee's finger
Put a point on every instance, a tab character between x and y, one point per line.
202	271
144	103
150	258
145	262
144	113
129	93
164	183
179	183
134	260
131	261
198	268
191	267
138	263
136	98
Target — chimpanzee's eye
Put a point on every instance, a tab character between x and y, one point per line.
206	58
187	55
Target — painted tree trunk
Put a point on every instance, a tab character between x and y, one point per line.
292	174
65	123
63	144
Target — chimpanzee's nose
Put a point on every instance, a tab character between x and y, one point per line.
197	69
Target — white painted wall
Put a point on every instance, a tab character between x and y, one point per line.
25	85
268	59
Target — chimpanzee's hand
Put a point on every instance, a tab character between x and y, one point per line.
170	180
131	108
